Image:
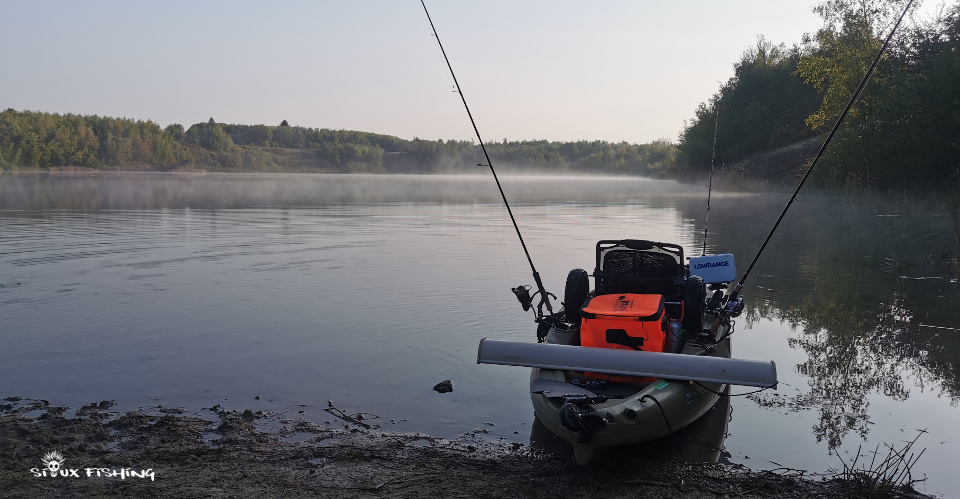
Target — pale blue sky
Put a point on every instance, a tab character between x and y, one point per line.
557	70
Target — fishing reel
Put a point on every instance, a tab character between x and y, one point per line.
723	306
544	322
733	308
523	295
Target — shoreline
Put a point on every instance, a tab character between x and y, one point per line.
234	455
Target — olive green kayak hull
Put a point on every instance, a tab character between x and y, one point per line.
633	419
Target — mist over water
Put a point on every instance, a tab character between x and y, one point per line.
191	290
145	191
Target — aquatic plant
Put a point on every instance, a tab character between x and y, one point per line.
888	477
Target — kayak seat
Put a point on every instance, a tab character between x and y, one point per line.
640	267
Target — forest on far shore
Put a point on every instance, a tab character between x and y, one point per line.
44	140
904	130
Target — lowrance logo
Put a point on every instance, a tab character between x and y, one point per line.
711	264
714	268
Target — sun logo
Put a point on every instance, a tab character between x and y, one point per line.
53	461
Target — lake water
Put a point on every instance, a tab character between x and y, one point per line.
200	289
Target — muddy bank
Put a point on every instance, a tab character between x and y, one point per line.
168	453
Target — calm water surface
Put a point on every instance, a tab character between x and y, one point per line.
196	290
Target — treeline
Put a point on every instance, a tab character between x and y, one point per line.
43	140
33	139
904	129
354	151
596	156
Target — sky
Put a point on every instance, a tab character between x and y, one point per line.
556	70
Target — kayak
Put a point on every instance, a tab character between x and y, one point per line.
631	360
632	412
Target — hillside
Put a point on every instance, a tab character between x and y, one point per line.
780	166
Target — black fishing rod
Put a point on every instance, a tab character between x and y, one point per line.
713	156
521	291
734	305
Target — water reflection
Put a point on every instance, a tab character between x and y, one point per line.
856	316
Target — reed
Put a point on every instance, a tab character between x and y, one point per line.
887	477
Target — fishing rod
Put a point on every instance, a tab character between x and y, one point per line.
713	156
523	293
734	303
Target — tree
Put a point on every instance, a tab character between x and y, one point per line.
842	51
763	106
872	144
284	123
215	139
192	136
175	130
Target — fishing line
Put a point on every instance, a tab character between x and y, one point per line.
536	275
763	263
497	226
734	394
938	327
836	126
